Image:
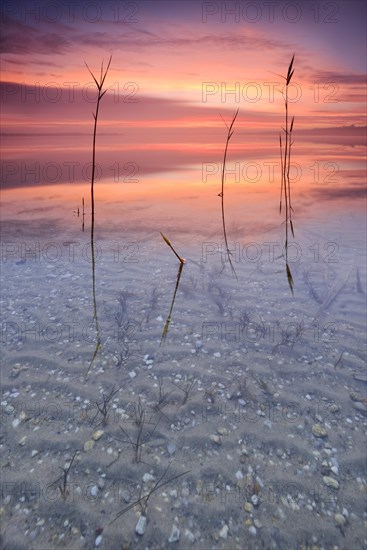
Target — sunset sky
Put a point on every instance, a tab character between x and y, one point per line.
175	66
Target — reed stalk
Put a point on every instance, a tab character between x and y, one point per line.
285	158
101	92
221	194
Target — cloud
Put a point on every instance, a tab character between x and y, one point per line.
333	193
338	78
22	39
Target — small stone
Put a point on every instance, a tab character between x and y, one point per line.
148	477
94	491
190	535
360	377
248	507
15	422
223	533
355	396
255	500
126	496
359	406
101	483
216	439
40	522
171	448
175	534
222	431
319	431
97	435
331	482
132	374
34	453
257	523
88	445
252	530
340	520
217	354
22	441
141	526
98	540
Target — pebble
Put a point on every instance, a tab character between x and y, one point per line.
175	534
15	422
355	396
257	523
331	482
190	535
94	491
216	439
319	431
171	448
97	435
34	453
340	520
148	477
359	406
255	500
223	533
141	526
252	530
248	507
98	540
217	354
132	374
360	377
101	483
88	445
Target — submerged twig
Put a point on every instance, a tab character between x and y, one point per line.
64	477
221	194
179	273
143	500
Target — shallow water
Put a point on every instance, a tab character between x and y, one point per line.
255	396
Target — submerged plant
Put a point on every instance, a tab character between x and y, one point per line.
182	263
221	194
63	487
285	160
101	93
142	500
